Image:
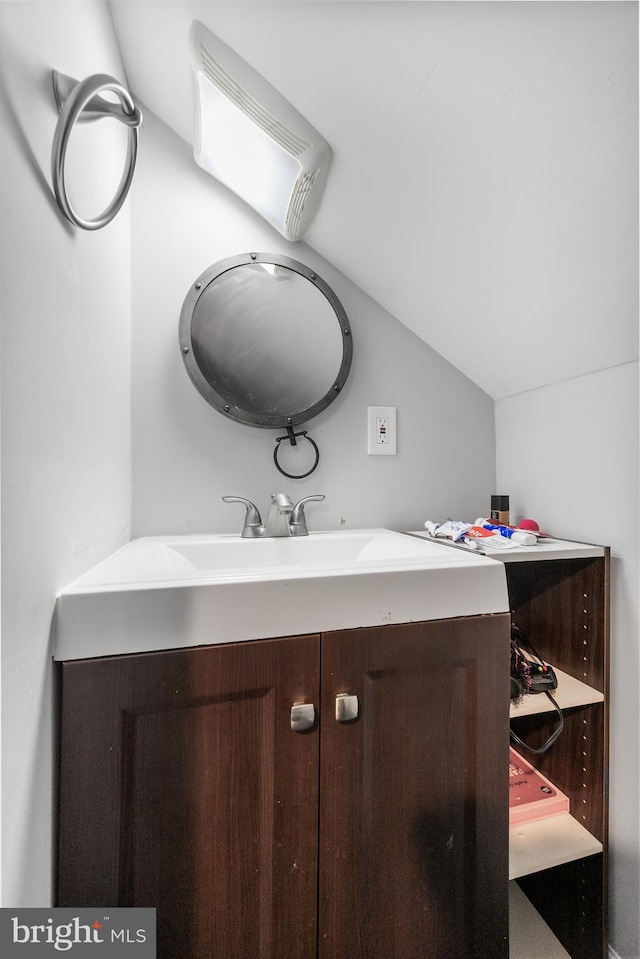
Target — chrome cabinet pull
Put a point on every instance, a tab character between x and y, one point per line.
303	716
347	708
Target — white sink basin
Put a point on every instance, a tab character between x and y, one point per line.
173	591
179	558
315	550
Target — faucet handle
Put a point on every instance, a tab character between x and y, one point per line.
298	522
252	520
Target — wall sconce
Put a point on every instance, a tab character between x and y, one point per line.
252	139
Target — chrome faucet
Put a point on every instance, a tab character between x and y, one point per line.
280	510
283	518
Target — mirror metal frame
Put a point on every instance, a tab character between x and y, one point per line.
207	389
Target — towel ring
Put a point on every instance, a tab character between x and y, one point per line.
291	436
79	102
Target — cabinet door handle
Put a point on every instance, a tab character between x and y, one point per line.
303	716
347	708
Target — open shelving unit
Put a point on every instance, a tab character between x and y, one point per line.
558	593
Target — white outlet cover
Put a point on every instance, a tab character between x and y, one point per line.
381	431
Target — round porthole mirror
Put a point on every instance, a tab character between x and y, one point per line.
265	341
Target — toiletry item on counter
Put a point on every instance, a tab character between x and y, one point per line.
465	534
452	529
500	509
521	537
529	524
481	536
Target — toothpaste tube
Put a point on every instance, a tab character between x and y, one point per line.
515	535
486	537
452	529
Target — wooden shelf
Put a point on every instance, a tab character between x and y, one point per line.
529	935
534	846
570	692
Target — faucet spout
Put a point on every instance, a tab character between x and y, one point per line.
280	510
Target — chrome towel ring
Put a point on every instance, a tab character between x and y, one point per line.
79	101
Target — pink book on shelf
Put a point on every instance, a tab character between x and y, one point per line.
531	795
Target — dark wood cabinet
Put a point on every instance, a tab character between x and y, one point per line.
184	787
412	808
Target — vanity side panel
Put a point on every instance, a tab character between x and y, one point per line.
184	788
414	808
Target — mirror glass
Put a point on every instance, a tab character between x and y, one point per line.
265	340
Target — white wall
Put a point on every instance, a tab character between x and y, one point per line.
186	455
65	310
567	455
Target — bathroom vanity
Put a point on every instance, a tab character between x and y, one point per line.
337	790
320	793
187	786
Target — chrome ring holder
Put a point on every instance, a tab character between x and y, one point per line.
80	102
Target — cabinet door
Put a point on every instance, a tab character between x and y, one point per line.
184	788
413	797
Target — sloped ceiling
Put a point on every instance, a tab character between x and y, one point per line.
484	181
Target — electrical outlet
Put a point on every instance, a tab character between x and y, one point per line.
381	430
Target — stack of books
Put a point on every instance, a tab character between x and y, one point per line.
531	795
